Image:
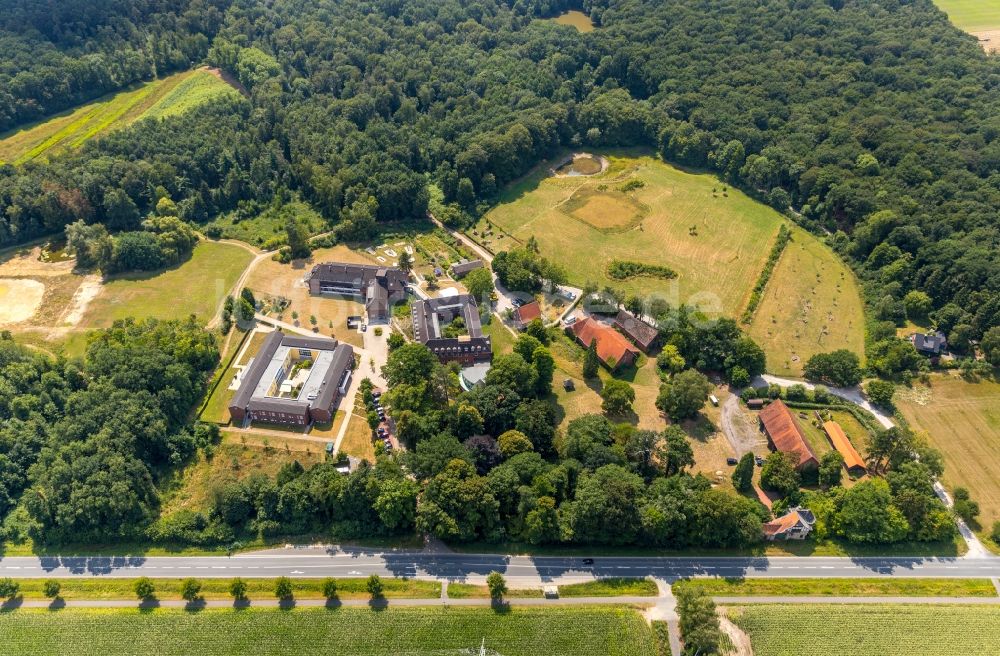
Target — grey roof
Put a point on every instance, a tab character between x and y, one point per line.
636	329
331	361
378	284
930	343
463	267
429	317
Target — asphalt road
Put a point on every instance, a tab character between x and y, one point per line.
520	570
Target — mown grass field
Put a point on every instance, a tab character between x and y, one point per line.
157	99
716	241
811	305
972	15
841	587
196	286
358	632
870	630
962	420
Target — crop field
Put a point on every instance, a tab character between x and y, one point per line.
962	420
359	632
158	99
716	240
196	286
869	630
811	305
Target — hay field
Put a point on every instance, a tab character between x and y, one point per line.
196	286
158	98
962	420
811	305
869	629
19	299
717	241
595	631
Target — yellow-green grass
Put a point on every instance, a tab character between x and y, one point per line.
870	630
196	286
886	587
194	487
216	410
972	15
358	439
612	587
100	588
600	631
962	420
574	18
472	591
715	240
811	305
157	98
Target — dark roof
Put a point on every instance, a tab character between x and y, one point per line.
429	316
461	268
786	434
378	284
256	370
636	329
341	362
930	342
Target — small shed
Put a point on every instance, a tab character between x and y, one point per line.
569	385
755	404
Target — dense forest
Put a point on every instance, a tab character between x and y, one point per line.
878	122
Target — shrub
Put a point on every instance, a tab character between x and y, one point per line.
283	587
625	269
880	392
497	585
190	589
329	588
995	533
51	588
143	587
374	586
9	588
238	588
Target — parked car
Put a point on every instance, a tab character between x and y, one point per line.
731	461
377	394
364	327
588	561
760	461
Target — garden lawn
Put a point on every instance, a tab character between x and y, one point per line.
811	305
870	630
884	587
359	632
157	98
962	420
196	286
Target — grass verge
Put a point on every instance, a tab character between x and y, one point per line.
887	587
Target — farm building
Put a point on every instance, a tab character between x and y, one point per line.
755	404
796	524
641	333
380	287
838	438
432	316
461	269
612	348
526	314
293	380
784	434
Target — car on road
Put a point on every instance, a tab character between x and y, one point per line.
588	561
731	461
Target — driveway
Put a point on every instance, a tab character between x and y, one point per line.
740	429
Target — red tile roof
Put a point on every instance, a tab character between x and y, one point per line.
782	524
529	311
842	444
786	434
611	344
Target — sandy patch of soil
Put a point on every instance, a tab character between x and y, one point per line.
85	293
989	40
19	299
554	171
26	262
740	640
